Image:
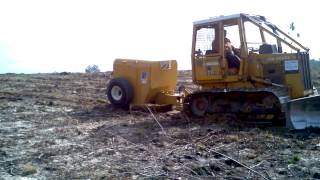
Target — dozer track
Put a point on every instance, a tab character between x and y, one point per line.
264	104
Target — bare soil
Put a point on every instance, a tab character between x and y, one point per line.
60	126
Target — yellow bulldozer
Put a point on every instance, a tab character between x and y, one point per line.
242	64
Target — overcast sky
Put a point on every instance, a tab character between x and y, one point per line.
68	35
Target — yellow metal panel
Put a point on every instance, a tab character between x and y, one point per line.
291	79
165	98
148	78
257	60
233	85
295	84
208	68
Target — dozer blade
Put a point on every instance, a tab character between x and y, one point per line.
303	113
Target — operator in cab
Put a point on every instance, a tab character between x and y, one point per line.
232	55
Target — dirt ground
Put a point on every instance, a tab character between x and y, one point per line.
60	126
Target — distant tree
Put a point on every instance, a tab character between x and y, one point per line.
315	72
92	69
293	28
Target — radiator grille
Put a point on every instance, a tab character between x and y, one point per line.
305	69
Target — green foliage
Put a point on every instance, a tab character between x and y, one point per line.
292	29
292	26
294	159
315	66
92	69
315	72
268	135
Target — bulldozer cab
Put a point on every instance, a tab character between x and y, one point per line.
227	49
211	39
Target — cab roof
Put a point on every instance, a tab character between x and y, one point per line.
259	21
219	18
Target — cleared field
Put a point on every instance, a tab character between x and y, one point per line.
60	126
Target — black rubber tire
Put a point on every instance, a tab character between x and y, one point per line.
125	89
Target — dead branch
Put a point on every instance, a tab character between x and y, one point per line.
181	147
243	165
256	165
154	117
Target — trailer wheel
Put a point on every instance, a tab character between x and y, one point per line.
120	92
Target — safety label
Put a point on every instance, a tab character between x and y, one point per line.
291	65
144	77
165	65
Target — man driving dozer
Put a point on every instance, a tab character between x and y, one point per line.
232	55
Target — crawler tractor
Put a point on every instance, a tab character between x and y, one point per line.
271	80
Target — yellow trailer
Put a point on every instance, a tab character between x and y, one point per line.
139	82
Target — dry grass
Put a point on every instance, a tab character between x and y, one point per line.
268	135
232	138
28	169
